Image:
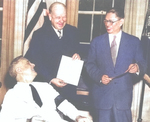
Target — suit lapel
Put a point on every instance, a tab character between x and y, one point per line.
122	49
50	32
107	51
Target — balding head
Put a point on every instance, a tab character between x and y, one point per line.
57	15
56	4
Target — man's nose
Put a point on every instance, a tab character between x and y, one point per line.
61	19
32	64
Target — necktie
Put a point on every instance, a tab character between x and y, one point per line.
36	96
59	34
114	50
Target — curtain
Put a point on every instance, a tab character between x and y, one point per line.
72	12
7	41
135	13
20	17
49	2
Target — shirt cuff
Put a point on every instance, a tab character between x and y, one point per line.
70	111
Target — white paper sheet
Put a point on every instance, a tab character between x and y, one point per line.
69	70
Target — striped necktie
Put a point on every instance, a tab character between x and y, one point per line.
59	34
114	50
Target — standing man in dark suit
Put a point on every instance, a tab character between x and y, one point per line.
54	39
112	54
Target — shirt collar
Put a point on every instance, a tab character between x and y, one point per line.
118	37
56	30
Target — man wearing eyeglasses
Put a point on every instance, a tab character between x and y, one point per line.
114	59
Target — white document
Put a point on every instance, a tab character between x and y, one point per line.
69	70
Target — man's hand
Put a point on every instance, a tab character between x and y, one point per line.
106	79
83	119
58	82
76	56
133	68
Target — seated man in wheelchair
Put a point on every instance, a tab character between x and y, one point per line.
20	105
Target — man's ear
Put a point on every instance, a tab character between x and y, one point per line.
49	16
121	22
18	70
45	12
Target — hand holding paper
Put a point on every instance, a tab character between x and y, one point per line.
58	82
69	70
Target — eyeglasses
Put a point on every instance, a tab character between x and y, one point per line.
110	21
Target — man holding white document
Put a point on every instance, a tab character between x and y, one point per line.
48	45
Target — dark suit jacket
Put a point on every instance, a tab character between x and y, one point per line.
46	49
119	91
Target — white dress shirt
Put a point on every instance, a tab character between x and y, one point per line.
18	104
